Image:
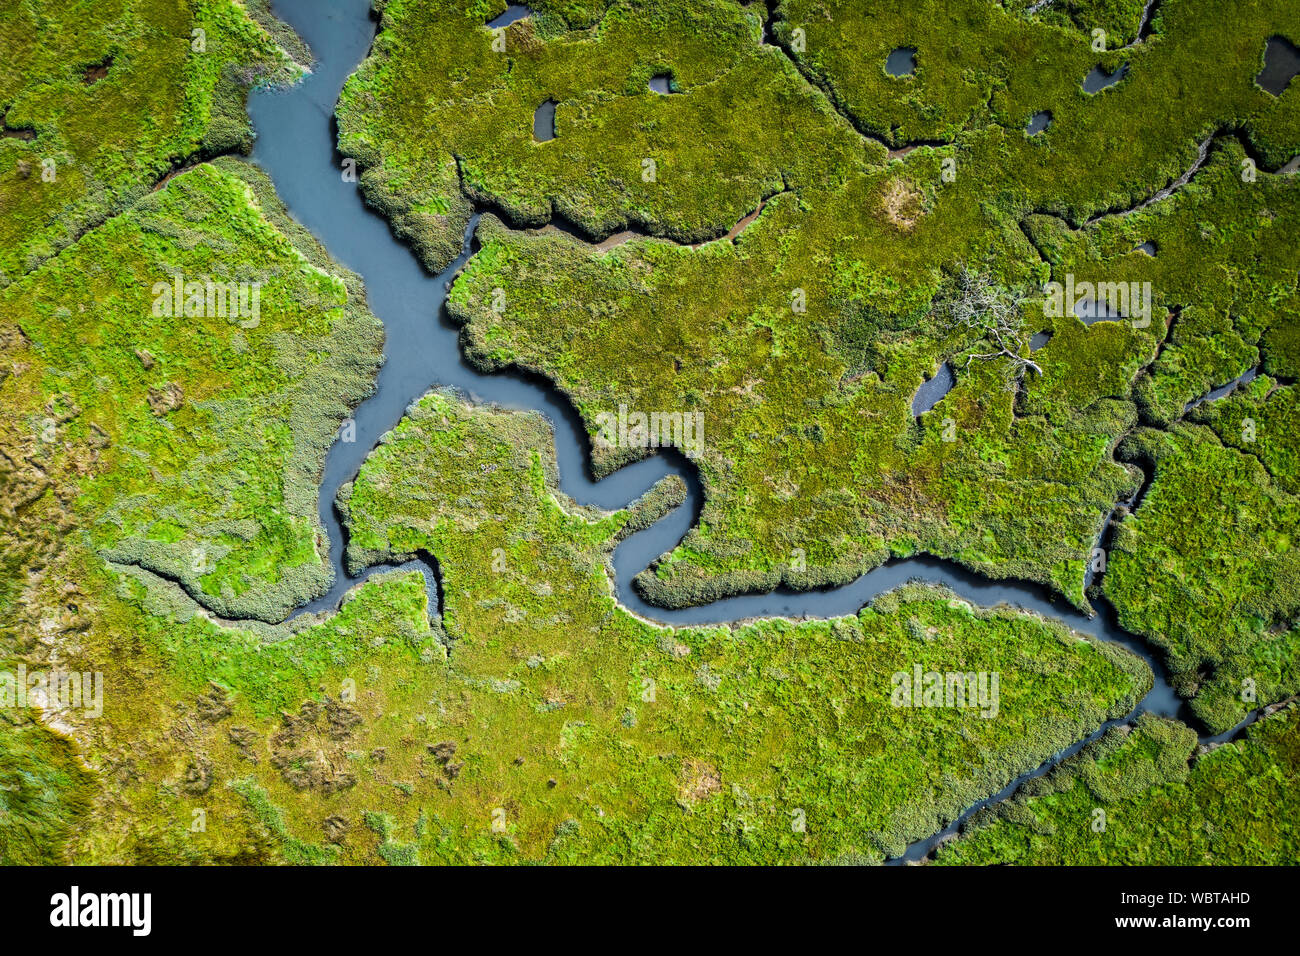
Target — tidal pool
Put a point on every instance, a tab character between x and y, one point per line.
933	389
1281	64
544	122
901	62
516	11
1098	79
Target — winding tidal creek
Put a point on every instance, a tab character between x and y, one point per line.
296	147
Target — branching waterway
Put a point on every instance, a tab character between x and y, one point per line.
296	146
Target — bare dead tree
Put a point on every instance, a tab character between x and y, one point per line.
996	316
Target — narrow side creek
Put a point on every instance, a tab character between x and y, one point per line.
296	146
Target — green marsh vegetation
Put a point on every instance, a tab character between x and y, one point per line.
693	743
623	156
197	440
533	718
803	338
1145	793
43	794
707	743
1207	569
1204	565
138	438
713	329
100	100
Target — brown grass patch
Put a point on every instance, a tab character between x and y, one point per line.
699	780
903	204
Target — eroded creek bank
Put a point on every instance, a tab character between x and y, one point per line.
296	146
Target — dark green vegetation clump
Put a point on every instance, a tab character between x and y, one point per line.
1146	794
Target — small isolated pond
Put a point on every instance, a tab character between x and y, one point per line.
516	11
1281	64
1038	122
1039	340
1093	310
96	72
1148	247
931	390
544	122
24	133
901	62
1098	79
661	83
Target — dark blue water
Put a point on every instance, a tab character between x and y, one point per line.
932	390
1039	122
1281	64
544	122
1097	310
901	62
296	147
515	11
1098	79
